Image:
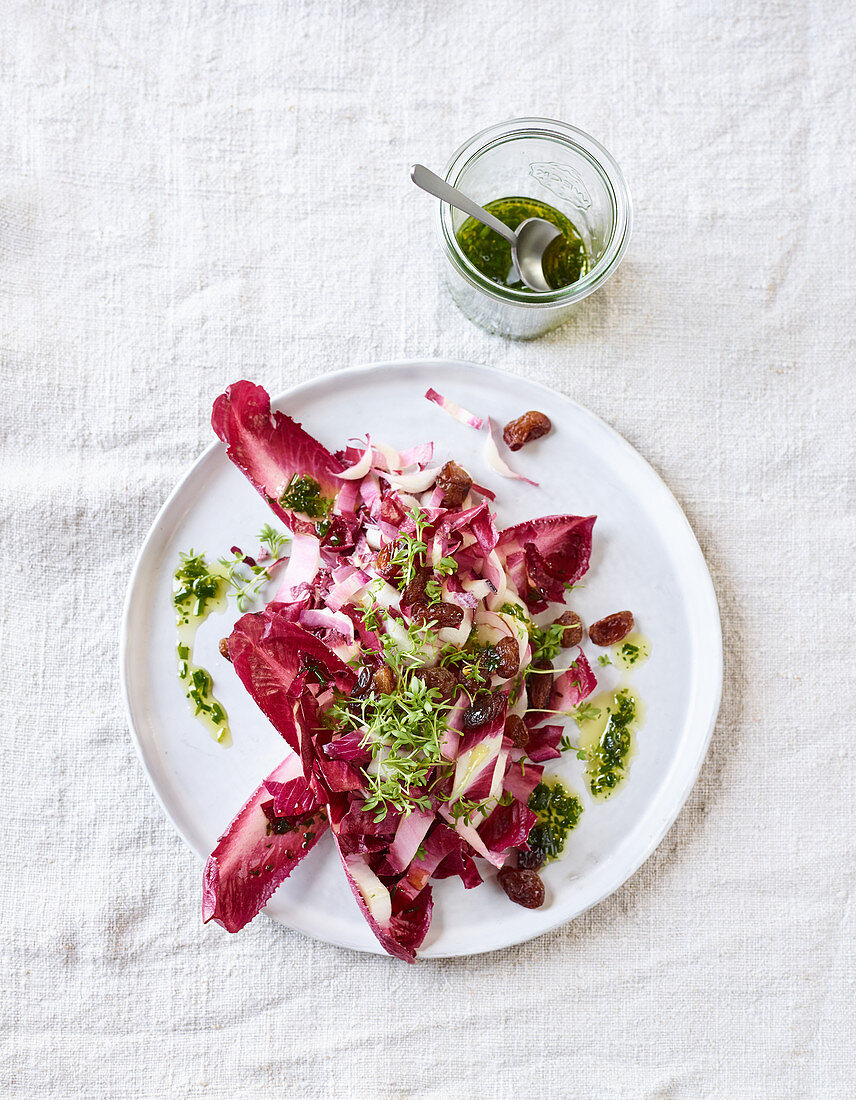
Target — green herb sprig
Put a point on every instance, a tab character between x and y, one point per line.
465	809
410	549
403	731
244	588
517	612
409	557
567	745
546	642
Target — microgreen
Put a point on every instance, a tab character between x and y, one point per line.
516	612
271	538
403	732
408	555
472	674
433	590
546	642
372	618
245	588
567	745
465	809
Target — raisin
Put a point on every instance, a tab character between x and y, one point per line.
502	658
516	731
539	685
414	590
364	682
455	483
383	680
523	887
530	860
573	632
509	658
384	564
531	425
438	615
612	629
483	709
440	678
224	649
380	681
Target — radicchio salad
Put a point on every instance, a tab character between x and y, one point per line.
419	666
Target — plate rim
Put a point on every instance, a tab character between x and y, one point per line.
707	598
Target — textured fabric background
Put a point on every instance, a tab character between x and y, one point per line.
195	192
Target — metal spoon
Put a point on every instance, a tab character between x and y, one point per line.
527	242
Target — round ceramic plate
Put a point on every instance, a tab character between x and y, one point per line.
645	558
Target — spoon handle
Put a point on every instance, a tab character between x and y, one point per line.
426	179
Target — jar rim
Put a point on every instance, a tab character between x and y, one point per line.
601	160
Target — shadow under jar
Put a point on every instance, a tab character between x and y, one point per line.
550	166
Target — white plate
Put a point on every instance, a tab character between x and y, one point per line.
645	558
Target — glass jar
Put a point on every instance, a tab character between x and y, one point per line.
560	165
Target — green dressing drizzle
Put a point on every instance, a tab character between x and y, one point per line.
607	741
303	495
565	259
559	812
197	591
632	652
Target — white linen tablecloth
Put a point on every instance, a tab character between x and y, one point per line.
196	192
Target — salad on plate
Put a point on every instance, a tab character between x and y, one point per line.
417	660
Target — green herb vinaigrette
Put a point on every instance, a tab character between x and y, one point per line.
565	259
608	722
607	726
559	812
632	652
303	495
609	740
197	591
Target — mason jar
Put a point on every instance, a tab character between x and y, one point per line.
558	164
